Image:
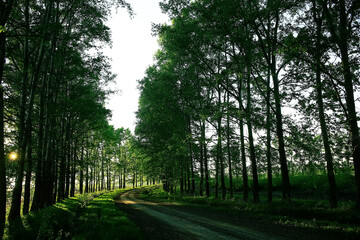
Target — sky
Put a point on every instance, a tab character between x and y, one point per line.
132	52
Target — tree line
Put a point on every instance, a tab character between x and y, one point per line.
52	105
252	88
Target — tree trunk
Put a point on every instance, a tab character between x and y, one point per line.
242	146
219	149
124	178
81	185
228	143
91	179
350	100
120	179
62	167
279	122
5	9
24	93
324	133
191	160
87	171
181	178
255	187
201	166
69	156
188	177
207	185
73	170
56	169
26	205
2	150
268	139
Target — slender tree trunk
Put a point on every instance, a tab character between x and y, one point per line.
191	160
108	186
124	178
242	146
279	122
219	147
268	139
188	177
91	179
217	173
56	169
255	187
2	150
26	205
102	169
53	201
73	170
201	167
228	143
181	178
279	131
36	204
81	185
114	179
207	185
120	179
24	94
48	169
87	171
62	167
68	158
324	133
350	100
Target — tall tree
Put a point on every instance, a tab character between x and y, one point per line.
5	9
340	19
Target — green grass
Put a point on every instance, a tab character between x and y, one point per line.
101	219
86	216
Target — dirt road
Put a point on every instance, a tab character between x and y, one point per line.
168	221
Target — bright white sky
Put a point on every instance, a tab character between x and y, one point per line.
132	52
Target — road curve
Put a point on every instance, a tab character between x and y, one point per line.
193	226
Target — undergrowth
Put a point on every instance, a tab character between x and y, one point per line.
86	216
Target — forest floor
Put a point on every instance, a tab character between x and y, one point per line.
175	220
151	213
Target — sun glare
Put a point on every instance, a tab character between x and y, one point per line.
13	156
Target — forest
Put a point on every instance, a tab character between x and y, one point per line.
251	101
253	89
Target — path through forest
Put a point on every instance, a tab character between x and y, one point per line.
171	221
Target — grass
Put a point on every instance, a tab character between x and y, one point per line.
101	219
86	216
